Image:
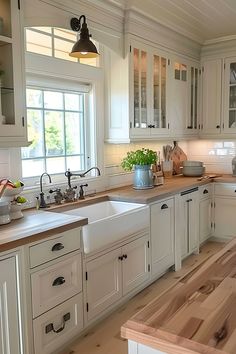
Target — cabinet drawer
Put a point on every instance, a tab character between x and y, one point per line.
205	191
46	251
55	284
226	189
56	327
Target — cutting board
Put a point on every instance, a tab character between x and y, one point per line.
178	156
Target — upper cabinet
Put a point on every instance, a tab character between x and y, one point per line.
12	87
151	94
229	89
183	109
148	92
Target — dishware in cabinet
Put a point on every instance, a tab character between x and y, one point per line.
12	87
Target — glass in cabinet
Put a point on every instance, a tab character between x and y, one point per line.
159	92
12	88
230	95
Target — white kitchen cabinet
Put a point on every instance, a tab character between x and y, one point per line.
115	274
103	282
188	221
13	130
183	95
10	333
229	89
205	212
211	97
224	217
135	264
162	236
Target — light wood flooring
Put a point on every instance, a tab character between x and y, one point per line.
105	338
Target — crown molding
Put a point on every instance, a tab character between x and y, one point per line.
220	39
137	23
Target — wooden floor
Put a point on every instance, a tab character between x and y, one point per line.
105	338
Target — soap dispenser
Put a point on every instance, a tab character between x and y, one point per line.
234	166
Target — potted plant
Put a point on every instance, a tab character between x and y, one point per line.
140	161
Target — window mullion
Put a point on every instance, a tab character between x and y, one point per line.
44	135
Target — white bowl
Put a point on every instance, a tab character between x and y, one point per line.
192	163
12	192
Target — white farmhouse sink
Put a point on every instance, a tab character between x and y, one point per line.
110	221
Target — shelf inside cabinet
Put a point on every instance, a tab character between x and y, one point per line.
6	90
5	40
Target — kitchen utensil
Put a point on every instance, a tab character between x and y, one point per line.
167	168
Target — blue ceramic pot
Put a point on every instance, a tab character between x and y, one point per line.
143	177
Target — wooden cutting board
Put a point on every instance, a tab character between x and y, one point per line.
178	156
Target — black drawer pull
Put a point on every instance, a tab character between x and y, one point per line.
125	256
120	258
50	326
189	200
218	127
57	247
164	206
58	281
205	191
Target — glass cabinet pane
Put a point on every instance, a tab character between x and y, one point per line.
232	95
163	92
143	89
156	91
140	88
136	88
196	99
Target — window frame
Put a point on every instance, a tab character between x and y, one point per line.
86	140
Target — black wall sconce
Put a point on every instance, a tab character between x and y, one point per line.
84	47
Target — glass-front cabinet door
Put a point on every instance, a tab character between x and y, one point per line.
192	123
12	88
230	95
148	98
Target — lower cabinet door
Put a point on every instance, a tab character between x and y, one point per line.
56	327
103	285
135	263
225	221
162	236
9	317
204	219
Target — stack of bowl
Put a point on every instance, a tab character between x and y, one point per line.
193	168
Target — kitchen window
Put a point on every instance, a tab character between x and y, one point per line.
57	128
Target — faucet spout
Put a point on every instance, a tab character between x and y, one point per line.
42	200
69	174
92	168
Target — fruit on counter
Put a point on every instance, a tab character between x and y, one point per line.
21	200
18	184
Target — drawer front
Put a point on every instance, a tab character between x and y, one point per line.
55	284
46	251
56	327
205	191
226	189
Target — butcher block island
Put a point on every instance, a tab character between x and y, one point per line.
195	316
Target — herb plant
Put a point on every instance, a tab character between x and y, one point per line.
138	157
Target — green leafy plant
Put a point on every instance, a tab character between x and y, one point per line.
138	157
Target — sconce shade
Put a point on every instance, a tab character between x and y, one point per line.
84	47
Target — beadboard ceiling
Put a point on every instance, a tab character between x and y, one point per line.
200	20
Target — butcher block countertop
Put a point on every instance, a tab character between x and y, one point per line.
195	316
36	225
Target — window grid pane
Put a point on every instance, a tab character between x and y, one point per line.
57	134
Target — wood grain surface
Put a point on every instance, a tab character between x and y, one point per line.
197	315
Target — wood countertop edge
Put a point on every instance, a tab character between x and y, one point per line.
15	242
163	341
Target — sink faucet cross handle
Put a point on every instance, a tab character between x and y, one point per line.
81	191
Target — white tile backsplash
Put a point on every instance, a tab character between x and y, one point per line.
4	163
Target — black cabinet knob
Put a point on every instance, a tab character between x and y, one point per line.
218	127
57	247
205	191
164	206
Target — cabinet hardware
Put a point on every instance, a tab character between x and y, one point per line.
151	126
189	127
23	121
149	268
211	204
189	191
130	48
57	247
168	61
130	125
164	206
50	326
125	256
86	275
87	307
205	191
120	258
218	127
148	244
58	281
224	65
211	225
199	126
189	200
168	125
19	4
